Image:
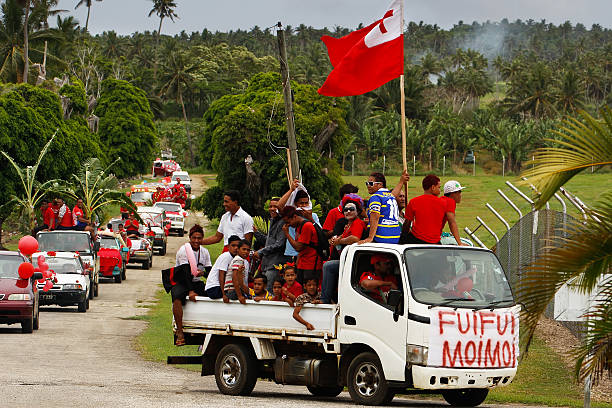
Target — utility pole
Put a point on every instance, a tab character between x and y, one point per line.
294	162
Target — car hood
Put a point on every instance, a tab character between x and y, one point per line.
8	286
64	278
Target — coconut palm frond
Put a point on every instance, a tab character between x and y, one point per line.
584	143
594	355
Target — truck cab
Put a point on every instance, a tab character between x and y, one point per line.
74	241
449	325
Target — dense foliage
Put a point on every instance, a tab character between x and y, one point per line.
126	127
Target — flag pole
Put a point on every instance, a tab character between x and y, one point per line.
403	103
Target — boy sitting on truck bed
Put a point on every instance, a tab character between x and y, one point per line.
236	278
259	291
311	295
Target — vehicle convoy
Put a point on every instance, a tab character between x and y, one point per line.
113	255
451	327
73	284
74	241
156	226
141	252
185	180
18	297
176	215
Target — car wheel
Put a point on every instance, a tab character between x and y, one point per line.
87	303
146	265
181	233
465	398
27	326
236	370
151	260
123	272
325	391
82	306
162	251
36	322
91	291
366	380
118	278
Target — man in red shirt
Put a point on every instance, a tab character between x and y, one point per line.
424	215
309	263
452	197
132	226
379	282
64	216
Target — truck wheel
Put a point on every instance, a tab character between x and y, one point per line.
162	251
146	265
181	233
235	370
82	306
469	397
91	291
325	391
366	380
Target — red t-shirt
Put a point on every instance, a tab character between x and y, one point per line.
332	216
426	212
295	289
449	206
356	229
377	293
49	217
66	220
308	256
131	225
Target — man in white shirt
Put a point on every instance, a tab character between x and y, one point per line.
235	221
216	277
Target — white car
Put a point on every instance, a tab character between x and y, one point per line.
185	180
73	284
176	215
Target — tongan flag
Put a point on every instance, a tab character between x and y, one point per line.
367	58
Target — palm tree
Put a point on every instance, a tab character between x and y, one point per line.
163	9
97	187
87	3
176	79
33	190
583	254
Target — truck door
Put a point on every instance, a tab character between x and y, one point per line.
365	316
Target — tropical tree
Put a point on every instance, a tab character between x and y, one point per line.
33	190
163	9
583	254
88	4
178	78
97	187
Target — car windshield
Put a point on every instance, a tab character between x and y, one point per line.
64	241
141	196
183	177
109	242
153	219
9	264
169	206
457	278
62	265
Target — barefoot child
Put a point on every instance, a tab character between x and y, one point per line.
236	287
259	291
292	288
312	295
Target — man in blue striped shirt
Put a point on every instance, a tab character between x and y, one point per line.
383	212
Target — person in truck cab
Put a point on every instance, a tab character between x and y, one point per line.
310	296
380	281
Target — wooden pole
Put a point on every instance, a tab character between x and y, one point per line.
403	104
289	170
284	67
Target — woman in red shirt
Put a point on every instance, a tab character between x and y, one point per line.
64	216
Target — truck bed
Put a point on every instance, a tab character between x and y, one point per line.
267	319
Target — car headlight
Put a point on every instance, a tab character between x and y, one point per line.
416	354
19	296
73	287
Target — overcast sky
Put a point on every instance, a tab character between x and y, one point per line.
128	16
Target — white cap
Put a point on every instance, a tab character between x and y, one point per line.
452	186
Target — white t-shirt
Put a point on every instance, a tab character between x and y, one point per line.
202	258
238	224
235	264
221	264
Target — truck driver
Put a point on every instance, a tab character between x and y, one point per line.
380	281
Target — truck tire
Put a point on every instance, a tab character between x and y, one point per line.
162	251
82	306
469	397
181	233
366	380
146	264
236	370
325	391
91	292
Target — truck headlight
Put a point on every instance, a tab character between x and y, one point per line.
416	354
73	287
19	296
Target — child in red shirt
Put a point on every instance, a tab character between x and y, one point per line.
292	288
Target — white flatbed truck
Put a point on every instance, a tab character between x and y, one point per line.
458	338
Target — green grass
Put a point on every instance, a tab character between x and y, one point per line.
483	189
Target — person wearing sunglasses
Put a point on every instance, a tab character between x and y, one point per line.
352	232
382	212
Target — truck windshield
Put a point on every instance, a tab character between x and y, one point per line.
457	278
109	243
62	265
169	206
9	264
64	241
141	196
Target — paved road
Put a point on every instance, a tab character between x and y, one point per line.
89	360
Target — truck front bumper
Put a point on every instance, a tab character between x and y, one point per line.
139	256
62	297
441	378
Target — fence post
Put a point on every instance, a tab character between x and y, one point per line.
503	166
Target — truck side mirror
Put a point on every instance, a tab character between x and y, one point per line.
394	299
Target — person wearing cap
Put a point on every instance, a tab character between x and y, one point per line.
380	281
424	215
452	197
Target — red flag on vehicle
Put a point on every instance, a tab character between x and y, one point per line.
367	58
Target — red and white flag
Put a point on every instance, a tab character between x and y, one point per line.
367	58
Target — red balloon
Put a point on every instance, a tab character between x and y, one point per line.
46	274
47	286
37	269
43	266
40	259
43	280
465	285
28	245
26	270
22	283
